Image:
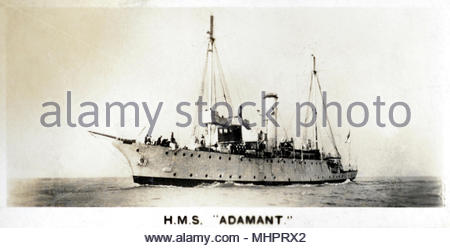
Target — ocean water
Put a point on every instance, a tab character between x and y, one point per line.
122	192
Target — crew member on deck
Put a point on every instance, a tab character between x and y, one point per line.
173	143
202	141
148	140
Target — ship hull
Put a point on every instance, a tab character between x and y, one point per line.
187	182
157	165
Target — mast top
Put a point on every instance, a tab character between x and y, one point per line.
314	64
211	29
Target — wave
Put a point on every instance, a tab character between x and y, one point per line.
345	182
229	184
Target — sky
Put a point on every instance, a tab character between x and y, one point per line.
157	55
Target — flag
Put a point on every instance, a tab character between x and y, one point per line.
347	140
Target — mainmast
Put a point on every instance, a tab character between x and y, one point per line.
315	111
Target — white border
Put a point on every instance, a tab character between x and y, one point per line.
151	217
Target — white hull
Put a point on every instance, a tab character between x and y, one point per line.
160	165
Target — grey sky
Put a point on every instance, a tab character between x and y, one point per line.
154	55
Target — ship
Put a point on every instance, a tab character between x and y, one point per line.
221	155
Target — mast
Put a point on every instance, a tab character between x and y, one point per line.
349	152
211	50
315	131
315	111
213	73
211	29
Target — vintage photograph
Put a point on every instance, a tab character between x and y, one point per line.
225	107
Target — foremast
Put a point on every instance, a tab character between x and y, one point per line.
213	77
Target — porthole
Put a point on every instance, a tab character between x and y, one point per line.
137	150
184	154
192	155
265	177
284	162
241	159
254	177
220	157
220	175
175	153
174	174
274	177
209	156
190	175
206	175
231	176
239	177
199	155
229	158
167	153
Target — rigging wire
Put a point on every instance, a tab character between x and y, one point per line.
226	92
328	120
202	86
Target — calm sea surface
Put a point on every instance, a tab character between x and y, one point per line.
122	192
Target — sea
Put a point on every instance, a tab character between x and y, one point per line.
122	192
